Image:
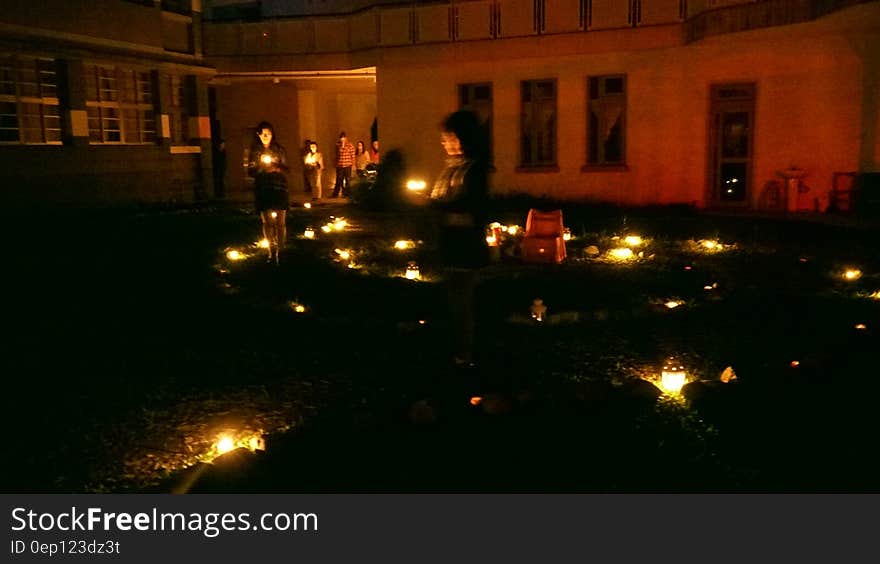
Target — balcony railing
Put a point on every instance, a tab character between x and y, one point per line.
391	25
756	15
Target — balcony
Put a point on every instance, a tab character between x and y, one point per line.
757	15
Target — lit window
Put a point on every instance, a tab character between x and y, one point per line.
120	105
606	127
538	123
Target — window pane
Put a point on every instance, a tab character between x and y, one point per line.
110	123
48	78
8	122
28	84
148	126
144	88
735	135
51	122
546	90
91	83
7	76
107	85
94	125
606	120
614	85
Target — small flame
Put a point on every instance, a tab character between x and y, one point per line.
852	274
309	233
672	304
416	185
633	240
234	255
476	400
225	444
307	205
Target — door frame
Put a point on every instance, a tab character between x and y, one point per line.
744	101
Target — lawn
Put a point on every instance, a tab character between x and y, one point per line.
137	343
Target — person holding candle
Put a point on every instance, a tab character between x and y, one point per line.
313	164
461	197
267	164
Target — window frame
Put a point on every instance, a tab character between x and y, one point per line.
124	91
488	123
599	161
534	163
16	66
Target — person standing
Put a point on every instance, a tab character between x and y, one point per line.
374	151
267	164
313	164
219	168
361	159
461	197
344	162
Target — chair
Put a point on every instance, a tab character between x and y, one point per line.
542	241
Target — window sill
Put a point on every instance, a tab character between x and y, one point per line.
605	168
537	169
185	149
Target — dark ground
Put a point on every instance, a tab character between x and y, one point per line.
128	350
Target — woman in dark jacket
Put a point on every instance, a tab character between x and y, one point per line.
460	196
267	164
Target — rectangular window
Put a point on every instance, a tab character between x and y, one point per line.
29	111
606	116
120	105
538	123
178	116
478	99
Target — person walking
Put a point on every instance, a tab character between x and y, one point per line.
344	162
267	164
313	164
461	196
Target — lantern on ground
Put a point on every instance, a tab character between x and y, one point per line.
263	243
513	229
234	255
327	228
851	274
673	376
672	304
566	234
307	205
632	240
621	253
309	233
297	307
415	185
403	245
412	271
224	444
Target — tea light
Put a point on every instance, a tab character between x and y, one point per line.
412	271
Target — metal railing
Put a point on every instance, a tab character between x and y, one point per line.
767	13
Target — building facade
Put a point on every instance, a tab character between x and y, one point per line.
709	103
103	102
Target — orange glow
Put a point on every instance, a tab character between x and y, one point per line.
852	274
861	326
672	304
307	205
416	185
235	255
476	400
309	233
795	363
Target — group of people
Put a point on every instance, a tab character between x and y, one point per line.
347	156
459	196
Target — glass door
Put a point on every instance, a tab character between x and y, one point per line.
731	126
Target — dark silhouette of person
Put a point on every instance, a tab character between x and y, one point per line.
460	197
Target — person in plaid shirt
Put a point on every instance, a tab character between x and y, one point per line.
344	162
